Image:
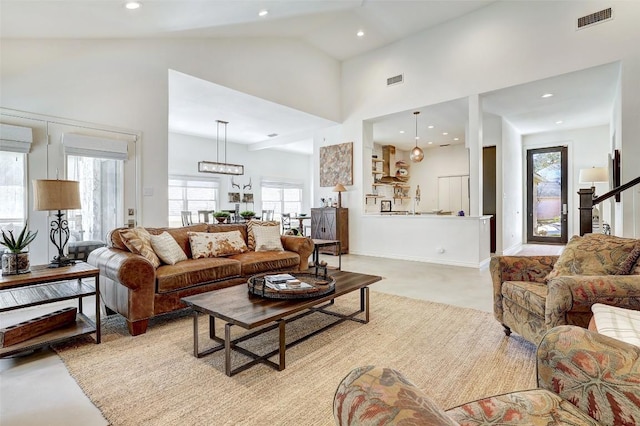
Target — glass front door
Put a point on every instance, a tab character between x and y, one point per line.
547	195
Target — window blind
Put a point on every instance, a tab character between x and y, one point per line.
15	138
91	146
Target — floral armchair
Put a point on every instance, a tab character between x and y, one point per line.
533	294
584	378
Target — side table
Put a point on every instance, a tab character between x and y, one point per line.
317	244
45	285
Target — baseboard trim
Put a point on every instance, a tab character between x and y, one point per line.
478	265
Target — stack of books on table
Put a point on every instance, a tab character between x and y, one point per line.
284	282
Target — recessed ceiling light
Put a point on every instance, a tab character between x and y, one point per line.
445	133
132	5
263	12
547	95
430	127
559	122
430	143
456	139
401	131
360	33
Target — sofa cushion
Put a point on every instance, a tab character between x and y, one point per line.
267	238
167	249
216	244
251	239
530	407
529	295
255	262
138	241
194	272
595	254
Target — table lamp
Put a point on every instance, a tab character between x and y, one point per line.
594	175
57	195
339	188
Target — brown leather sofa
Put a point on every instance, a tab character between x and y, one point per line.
132	287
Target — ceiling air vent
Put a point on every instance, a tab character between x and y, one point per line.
272	135
594	18
445	144
396	79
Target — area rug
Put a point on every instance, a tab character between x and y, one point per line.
454	354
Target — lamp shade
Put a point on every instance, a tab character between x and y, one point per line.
339	188
593	175
56	194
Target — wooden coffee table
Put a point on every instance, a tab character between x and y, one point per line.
236	306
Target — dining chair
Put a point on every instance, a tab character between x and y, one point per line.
267	215
203	215
186	218
286	221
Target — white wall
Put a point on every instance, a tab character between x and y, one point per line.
123	83
588	147
511	197
185	151
501	45
630	144
450	160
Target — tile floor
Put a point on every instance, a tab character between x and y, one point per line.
36	389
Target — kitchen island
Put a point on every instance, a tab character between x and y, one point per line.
423	237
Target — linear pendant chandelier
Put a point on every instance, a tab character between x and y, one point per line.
216	167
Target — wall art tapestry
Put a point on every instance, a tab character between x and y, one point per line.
336	164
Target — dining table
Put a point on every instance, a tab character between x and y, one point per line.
301	218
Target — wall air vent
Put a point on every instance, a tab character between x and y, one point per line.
396	79
595	18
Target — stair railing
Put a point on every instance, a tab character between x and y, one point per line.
587	201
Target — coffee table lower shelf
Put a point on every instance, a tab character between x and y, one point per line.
228	344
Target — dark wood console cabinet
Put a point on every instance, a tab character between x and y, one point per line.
329	223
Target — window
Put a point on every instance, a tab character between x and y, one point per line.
12	188
281	197
101	198
191	194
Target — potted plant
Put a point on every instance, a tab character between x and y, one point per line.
15	259
247	214
221	217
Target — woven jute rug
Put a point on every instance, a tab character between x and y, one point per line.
455	354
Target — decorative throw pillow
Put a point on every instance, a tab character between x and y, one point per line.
268	238
138	241
216	244
167	249
629	266
251	239
595	254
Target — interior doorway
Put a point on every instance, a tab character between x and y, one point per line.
489	190
547	195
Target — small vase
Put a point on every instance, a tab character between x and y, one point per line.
15	263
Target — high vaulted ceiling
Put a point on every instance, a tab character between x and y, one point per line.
581	99
330	25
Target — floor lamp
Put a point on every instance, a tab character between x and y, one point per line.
57	195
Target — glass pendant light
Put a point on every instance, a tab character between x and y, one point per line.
416	153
